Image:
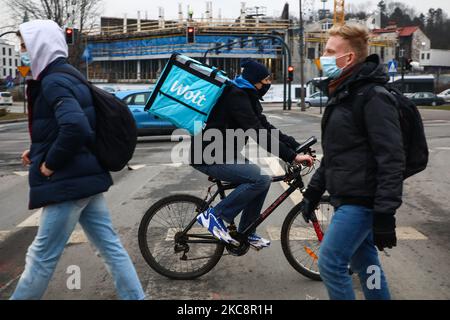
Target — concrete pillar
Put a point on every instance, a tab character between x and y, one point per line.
139	26
138	70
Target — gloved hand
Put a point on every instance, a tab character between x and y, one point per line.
311	199
307	210
384	235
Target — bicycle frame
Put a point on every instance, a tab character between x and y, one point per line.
296	183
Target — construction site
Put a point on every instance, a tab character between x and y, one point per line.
135	50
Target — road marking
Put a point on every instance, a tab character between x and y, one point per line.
78	237
21	173
275	117
301	233
4	235
443	148
137	167
32	221
172	231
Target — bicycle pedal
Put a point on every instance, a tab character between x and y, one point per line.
255	248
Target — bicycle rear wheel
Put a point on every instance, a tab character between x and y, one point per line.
164	247
300	242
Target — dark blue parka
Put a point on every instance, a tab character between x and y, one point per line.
62	125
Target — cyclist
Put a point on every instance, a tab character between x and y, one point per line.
240	108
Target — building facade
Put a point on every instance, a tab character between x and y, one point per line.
9	60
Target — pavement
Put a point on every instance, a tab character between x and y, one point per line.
417	269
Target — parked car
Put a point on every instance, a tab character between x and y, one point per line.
314	100
6	99
147	124
427	99
445	95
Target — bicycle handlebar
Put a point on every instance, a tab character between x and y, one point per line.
306	145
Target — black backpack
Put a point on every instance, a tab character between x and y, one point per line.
116	131
414	140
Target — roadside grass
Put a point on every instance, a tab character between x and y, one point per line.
443	107
13	116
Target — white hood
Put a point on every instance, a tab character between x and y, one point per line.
45	42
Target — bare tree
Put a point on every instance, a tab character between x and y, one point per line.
81	14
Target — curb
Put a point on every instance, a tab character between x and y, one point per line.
13	121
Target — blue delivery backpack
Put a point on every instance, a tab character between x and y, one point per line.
186	93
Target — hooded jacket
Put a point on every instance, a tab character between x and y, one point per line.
361	168
239	107
61	121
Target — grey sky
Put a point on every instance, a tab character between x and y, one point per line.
231	8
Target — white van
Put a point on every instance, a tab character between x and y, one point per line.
6	99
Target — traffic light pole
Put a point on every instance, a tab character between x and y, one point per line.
286	53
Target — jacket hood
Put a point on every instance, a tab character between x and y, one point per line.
372	70
45	42
243	83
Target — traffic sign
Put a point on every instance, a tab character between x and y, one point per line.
392	67
23	70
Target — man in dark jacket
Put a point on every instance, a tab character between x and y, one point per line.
362	168
239	112
65	178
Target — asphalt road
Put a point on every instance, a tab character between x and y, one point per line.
417	269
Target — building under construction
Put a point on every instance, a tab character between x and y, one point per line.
136	50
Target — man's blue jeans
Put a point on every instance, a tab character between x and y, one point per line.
248	197
348	242
56	225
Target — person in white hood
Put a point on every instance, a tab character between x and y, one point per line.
65	177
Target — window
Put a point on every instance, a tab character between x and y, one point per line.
4	51
428	56
128	99
423	56
10	62
10	52
140	99
4	61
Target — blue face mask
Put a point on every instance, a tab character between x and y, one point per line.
330	68
25	58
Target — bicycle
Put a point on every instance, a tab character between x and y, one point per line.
175	246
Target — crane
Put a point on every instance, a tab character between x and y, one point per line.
339	12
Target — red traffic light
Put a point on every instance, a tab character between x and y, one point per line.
190	35
291	69
70	35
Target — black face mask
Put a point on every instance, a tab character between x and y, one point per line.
265	88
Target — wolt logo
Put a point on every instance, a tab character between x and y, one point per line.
183	90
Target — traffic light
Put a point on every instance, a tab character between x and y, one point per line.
70	36
291	73
190	35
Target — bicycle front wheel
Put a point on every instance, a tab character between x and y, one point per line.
170	252
300	242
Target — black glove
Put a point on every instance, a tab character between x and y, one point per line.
384	235
311	199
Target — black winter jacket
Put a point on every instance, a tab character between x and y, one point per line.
240	109
362	168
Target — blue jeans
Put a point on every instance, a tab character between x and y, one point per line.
56	225
348	242
248	197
